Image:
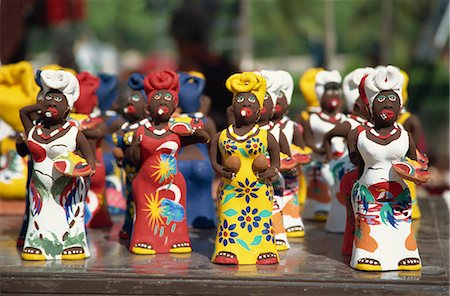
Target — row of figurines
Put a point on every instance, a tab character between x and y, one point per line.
263	158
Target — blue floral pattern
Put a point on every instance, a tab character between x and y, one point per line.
226	233
249	218
247	190
254	146
228	146
268	231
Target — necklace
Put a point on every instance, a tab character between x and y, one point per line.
267	126
41	134
136	124
158	132
329	118
246	135
377	134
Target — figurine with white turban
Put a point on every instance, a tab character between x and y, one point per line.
318	175
60	177
384	237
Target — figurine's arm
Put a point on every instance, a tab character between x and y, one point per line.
412	148
298	137
115	125
216	159
86	151
134	151
25	116
199	136
414	127
352	143
340	130
274	152
284	144
230	115
210	127
95	133
21	146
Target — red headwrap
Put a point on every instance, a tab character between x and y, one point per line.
88	97
362	92
164	80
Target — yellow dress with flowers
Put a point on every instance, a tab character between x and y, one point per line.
245	232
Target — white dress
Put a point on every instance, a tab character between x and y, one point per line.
384	238
339	167
56	223
318	174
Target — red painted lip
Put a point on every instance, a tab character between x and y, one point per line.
246	112
386	114
131	109
164	110
278	108
54	111
263	110
333	103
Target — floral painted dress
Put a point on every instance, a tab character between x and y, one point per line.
245	232
384	238
159	193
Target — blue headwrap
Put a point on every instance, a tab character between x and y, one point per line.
107	91
191	89
136	82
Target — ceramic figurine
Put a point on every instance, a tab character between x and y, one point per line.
318	174
341	217
245	233
59	179
294	135
273	84
307	83
194	161
384	237
87	117
159	189
340	166
107	94
135	115
411	123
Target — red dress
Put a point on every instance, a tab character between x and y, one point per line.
159	191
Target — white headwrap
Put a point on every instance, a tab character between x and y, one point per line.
383	78
273	84
287	84
350	85
61	80
323	78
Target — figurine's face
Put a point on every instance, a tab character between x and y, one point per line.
55	107
135	108
246	107
386	107
331	98
282	106
161	105
267	109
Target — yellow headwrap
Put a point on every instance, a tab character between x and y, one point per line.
405	87
17	90
247	82
197	74
307	85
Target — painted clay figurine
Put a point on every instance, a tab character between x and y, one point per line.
159	189
294	135
194	161
358	114
56	227
318	174
87	117
135	115
384	237
245	233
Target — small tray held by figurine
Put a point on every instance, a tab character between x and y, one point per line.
72	165
411	171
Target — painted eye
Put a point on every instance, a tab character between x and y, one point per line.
381	99
157	96
266	96
135	98
48	97
252	99
57	98
239	99
168	96
392	98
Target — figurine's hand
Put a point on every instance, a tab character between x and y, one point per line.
202	135
227	174
93	171
269	173
20	139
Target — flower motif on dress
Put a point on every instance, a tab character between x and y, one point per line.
249	218
268	231
226	233
165	168
229	146
254	146
247	189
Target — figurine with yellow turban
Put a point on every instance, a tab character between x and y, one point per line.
60	177
384	237
245	233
